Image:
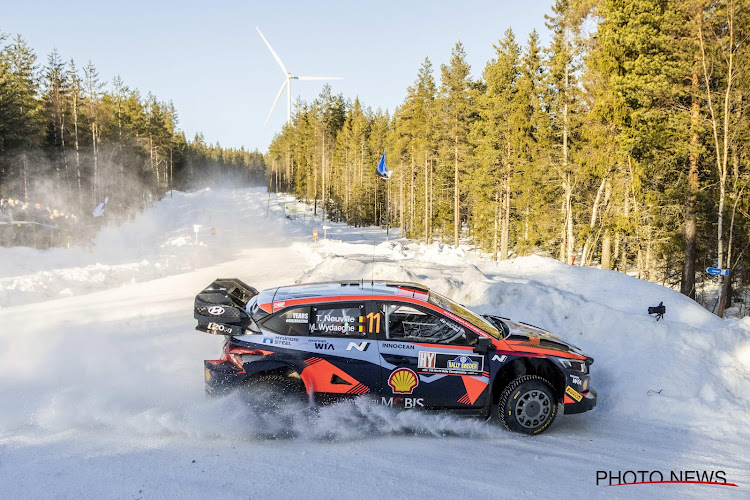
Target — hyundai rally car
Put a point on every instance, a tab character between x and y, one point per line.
400	344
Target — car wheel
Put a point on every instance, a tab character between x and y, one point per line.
527	405
274	389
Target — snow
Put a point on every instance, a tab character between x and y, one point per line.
101	388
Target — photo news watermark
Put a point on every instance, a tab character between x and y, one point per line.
632	477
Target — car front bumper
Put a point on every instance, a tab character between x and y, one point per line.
587	402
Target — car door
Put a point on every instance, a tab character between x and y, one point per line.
428	360
342	357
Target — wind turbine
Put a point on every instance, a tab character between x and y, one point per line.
288	77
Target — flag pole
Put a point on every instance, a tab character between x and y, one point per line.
387	209
383	172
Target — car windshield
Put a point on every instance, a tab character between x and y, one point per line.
463	313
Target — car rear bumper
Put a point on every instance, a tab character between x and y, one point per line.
221	377
587	402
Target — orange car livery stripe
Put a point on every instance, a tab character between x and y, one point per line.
525	348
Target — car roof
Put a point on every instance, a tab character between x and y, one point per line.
342	290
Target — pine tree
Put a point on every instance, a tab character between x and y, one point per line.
55	99
19	113
455	113
497	139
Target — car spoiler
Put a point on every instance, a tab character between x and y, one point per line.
220	307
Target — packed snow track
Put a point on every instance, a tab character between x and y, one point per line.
101	380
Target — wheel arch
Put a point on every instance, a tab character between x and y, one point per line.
519	367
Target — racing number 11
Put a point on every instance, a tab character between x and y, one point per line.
374	320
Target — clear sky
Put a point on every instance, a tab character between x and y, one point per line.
208	59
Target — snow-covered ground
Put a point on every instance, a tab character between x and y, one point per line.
101	381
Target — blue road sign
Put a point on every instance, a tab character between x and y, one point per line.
715	271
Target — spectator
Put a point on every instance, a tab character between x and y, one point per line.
6	214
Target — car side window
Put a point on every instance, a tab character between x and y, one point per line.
411	324
342	320
293	321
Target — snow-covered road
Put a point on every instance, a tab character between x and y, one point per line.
101	388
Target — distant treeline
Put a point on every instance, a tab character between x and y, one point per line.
624	143
68	140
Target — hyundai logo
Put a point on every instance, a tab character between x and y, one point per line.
216	310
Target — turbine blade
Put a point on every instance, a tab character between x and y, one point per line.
281	91
319	78
275	55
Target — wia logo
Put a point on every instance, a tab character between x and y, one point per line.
323	345
361	347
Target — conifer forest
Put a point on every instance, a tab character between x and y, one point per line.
624	143
69	139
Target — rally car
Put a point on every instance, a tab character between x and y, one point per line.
399	344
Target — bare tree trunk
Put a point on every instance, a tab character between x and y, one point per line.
647	263
720	221
412	202
431	197
497	218
456	212
505	235
687	285
78	155
607	250
96	159
347	186
171	171
564	232
624	242
401	200
568	188
526	225
361	162
569	209
737	195
25	168
607	239
323	174
589	238
426	202
721	150
62	147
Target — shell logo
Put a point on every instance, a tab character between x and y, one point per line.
403	381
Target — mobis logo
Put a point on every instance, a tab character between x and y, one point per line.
621	478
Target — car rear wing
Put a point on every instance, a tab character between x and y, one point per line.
221	307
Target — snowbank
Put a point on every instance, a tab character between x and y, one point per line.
689	369
101	369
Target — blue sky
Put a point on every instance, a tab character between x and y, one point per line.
208	59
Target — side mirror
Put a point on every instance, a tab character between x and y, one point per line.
484	345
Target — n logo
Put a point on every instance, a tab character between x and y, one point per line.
361	347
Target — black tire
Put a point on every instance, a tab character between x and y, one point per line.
274	389
276	403
527	405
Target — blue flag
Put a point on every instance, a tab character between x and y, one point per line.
382	170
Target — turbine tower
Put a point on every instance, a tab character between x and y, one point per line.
288	77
